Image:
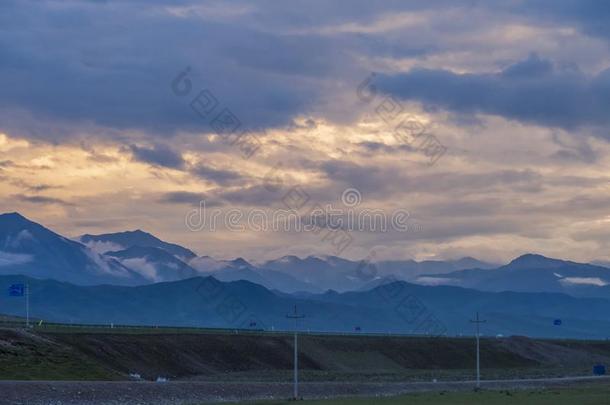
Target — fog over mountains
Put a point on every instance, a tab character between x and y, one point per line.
137	258
532	273
135	277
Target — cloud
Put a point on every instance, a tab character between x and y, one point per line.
434	281
101	247
531	90
218	176
264	61
371	179
186	197
251	195
104	74
596	281
591	16
158	155
42	200
142	267
33	188
513	89
12	259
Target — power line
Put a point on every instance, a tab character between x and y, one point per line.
295	315
478	322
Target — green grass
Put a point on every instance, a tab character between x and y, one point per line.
25	358
406	375
51	365
582	395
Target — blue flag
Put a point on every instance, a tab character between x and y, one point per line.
16	290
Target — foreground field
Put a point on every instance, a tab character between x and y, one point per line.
596	394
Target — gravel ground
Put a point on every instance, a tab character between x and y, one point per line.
183	392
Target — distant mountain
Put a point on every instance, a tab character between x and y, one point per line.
335	273
271	279
137	258
531	273
125	240
241	269
153	263
601	263
398	307
409	269
239	263
31	249
325	273
206	264
534	261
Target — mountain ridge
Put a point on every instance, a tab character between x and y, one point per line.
399	307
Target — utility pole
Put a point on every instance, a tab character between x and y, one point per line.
27	305
478	322
296	318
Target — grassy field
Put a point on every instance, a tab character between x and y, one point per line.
596	394
36	354
30	357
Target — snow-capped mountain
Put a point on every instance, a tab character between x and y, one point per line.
125	240
154	264
138	258
30	249
531	273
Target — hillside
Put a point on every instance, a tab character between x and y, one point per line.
113	355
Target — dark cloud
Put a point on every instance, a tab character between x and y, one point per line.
253	195
158	155
374	180
367	179
578	150
592	17
32	187
188	198
37	199
532	67
112	64
218	176
530	90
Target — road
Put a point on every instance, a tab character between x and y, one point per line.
189	392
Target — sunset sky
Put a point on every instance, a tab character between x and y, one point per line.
95	137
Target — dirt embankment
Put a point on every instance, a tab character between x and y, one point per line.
26	355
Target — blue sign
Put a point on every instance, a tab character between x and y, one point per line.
599	369
16	290
557	322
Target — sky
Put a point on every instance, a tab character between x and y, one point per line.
485	123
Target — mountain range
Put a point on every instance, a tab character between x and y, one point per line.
29	248
397	307
531	273
135	277
137	258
